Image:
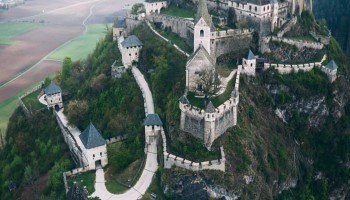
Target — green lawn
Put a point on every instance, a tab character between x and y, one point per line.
81	46
9	30
178	12
32	102
217	101
84	179
176	39
8	106
119	182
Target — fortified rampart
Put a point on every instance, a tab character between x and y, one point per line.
286	27
321	38
28	112
171	159
264	43
79	157
230	40
208	125
178	25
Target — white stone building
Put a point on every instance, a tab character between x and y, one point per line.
209	124
119	29
198	62
272	11
331	70
95	147
153	126
154	6
130	49
53	96
249	64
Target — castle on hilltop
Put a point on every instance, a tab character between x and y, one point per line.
266	15
208	124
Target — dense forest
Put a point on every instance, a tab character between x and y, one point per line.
337	15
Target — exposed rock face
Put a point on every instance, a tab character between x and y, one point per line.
315	107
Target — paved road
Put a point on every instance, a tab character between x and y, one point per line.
151	165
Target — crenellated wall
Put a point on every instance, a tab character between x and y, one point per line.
299	43
208	126
171	160
287	26
224	42
178	25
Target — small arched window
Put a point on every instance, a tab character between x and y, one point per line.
201	33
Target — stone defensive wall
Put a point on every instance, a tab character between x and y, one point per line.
321	38
231	40
298	43
170	160
289	68
28	112
287	27
178	25
77	153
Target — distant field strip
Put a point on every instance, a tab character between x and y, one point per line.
9	30
81	46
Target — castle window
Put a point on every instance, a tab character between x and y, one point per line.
256	9
251	64
268	7
101	154
135	54
201	33
264	9
250	7
129	54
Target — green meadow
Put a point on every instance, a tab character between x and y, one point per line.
9	30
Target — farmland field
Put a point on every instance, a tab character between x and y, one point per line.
9	30
81	46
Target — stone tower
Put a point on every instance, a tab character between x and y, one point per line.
210	129
274	15
203	26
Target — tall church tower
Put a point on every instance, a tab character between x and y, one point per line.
203	26
274	21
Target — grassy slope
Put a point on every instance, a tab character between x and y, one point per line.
81	46
178	12
8	106
10	30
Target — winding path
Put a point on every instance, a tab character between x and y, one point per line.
151	166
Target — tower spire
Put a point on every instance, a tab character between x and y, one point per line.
202	12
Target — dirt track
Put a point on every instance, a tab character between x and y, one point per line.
63	21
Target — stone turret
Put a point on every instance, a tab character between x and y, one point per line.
183	104
53	96
274	15
235	99
249	64
203	26
210	118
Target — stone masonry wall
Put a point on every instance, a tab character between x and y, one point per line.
170	160
231	40
176	25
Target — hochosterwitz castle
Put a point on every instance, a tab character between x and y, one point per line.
269	19
263	16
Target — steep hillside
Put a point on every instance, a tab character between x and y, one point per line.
303	155
337	15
